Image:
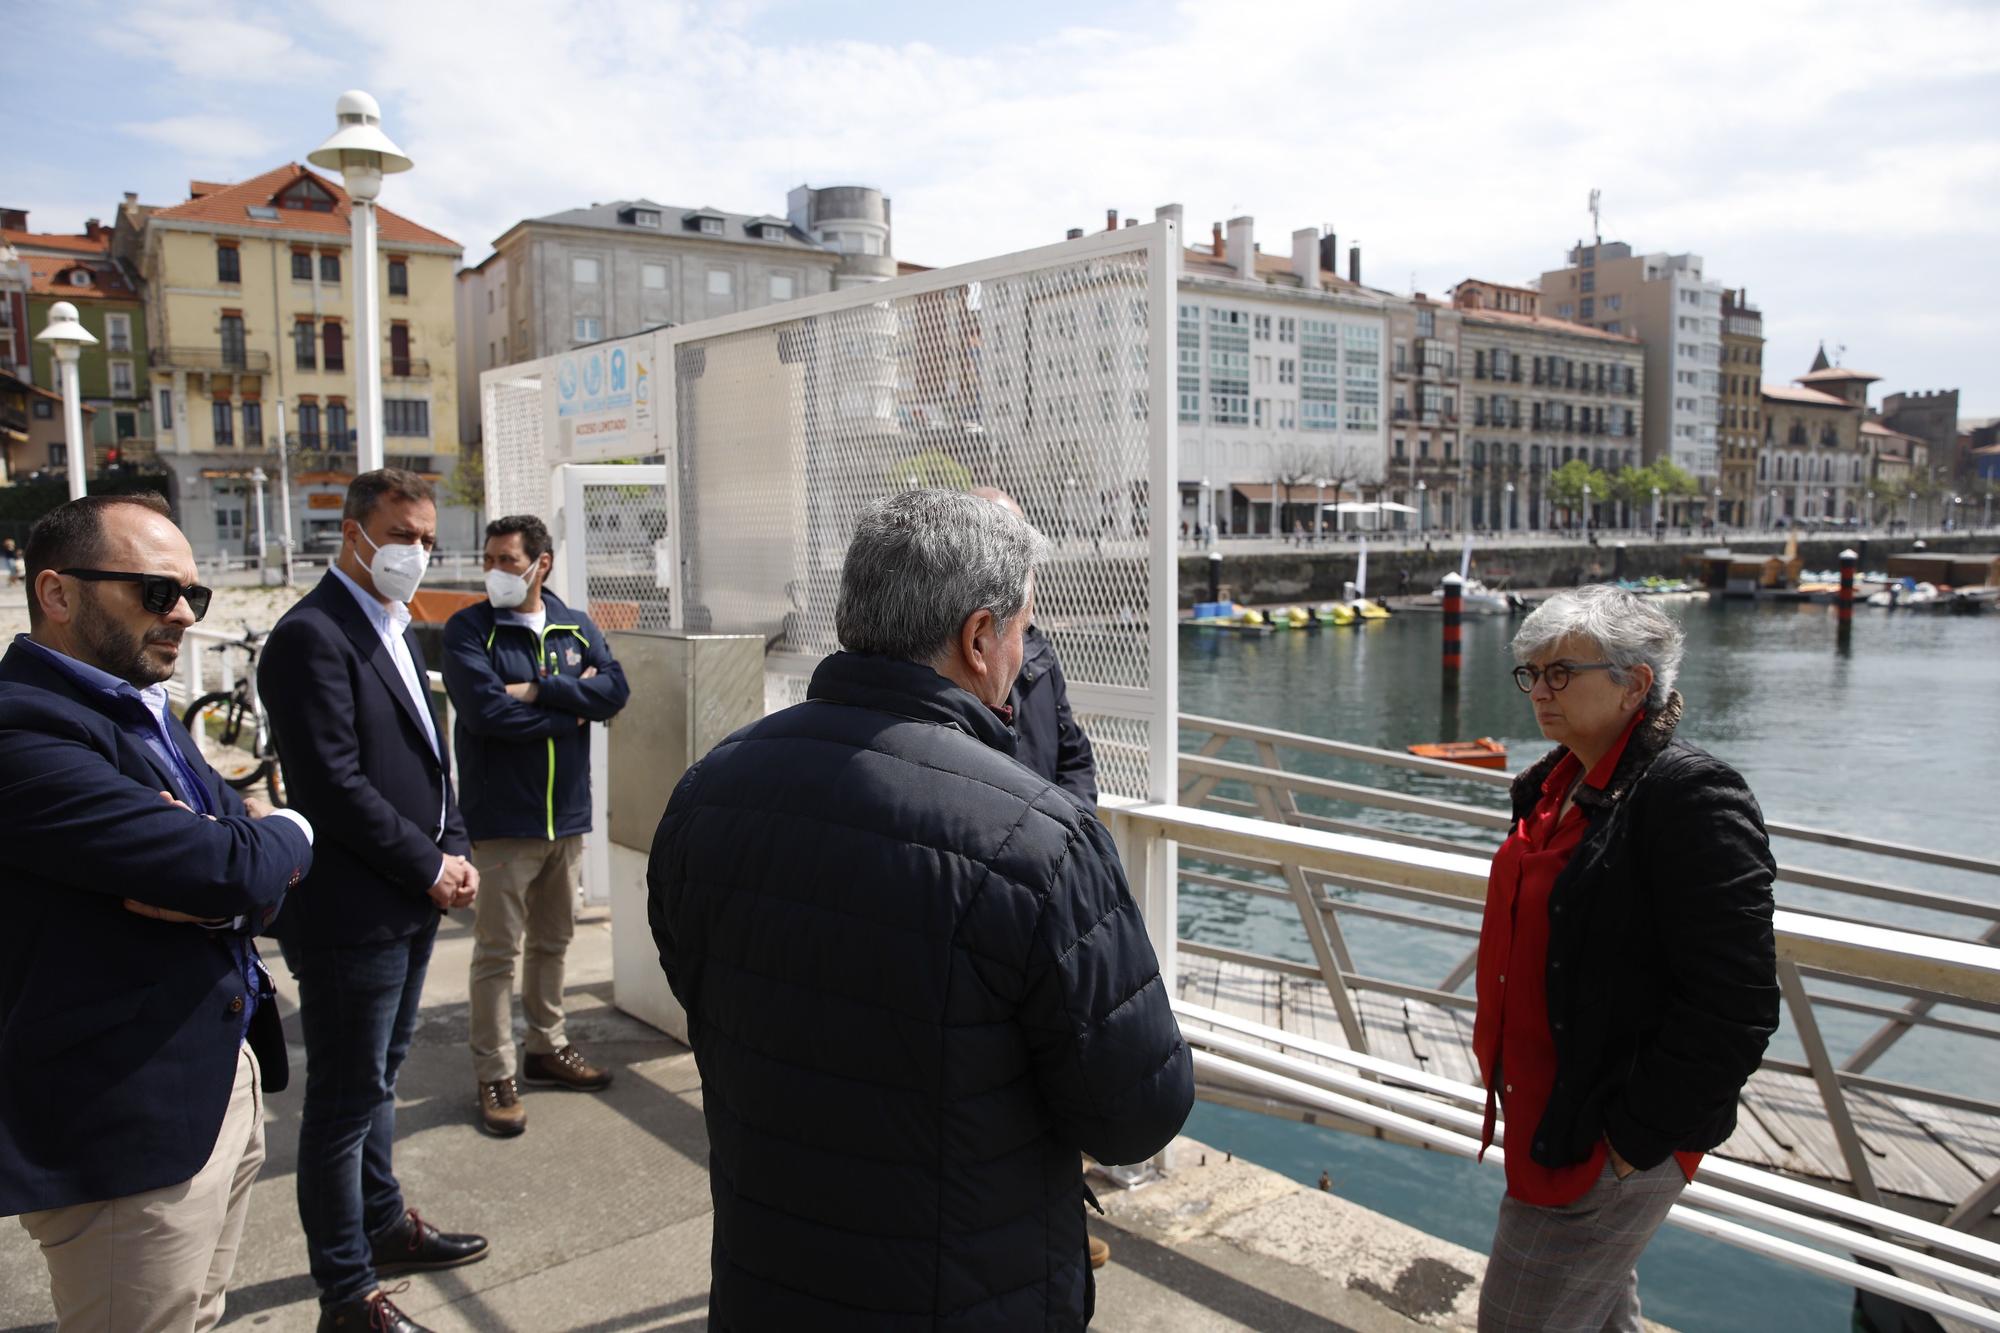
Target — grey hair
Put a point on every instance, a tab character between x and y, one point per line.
1628	631
921	562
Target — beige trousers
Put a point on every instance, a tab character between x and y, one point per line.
527	899
158	1262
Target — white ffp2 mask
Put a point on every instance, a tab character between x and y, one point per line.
398	568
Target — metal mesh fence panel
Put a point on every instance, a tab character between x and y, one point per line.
1035	380
517	464
627	559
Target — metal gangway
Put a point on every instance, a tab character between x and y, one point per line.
704	479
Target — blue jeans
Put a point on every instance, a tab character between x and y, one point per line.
358	1008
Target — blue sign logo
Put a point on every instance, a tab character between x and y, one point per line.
566	379
617	370
593	374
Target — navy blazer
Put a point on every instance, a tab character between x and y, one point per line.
118	1033
358	765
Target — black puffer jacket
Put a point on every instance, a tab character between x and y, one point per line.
1662	973
916	987
1047	738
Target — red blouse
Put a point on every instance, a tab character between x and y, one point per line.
1511	1030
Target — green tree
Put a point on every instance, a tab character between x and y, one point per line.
1633	488
1567	485
1673	480
932	468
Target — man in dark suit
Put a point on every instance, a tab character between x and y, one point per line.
343	680
132	1029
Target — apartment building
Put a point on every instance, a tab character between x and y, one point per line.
1741	419
250	320
1540	392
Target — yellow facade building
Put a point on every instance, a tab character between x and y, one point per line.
250	317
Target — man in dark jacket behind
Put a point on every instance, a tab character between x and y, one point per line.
527	675
1046	736
916	982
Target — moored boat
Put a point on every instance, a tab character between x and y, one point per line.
1482	753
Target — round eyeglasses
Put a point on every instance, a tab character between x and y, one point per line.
1556	673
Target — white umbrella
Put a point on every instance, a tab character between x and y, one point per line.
1391	507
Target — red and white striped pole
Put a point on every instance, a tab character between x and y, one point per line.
1844	608
1454	606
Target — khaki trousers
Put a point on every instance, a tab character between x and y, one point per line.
159	1262
527	896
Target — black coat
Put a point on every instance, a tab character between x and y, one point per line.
1046	736
359	766
119	1033
916	985
1662	966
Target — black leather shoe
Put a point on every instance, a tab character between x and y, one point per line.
415	1246
374	1313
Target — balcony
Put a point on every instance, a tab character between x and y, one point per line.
226	361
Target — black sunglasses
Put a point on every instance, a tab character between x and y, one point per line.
158	593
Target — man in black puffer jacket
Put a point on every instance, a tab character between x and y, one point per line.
916	982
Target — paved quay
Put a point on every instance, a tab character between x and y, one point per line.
599	1215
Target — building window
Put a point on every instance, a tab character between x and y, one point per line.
303	355
127	425
302	266
253	424
1426	323
1589	280
653	277
1228	367
645	217
336	425
406	416
228	512
228	264
399	351
45	410
166	409
1288	329
1188	344
589	328
782	287
711	226
399	278
117	332
121	379
225	427
1261	328
1319	375
1362	387
1288	370
721	282
584	271
773	232
329	268
333	350
309	426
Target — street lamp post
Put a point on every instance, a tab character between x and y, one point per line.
1510	507
1718	507
67	338
1319	506
1956	501
1585	515
284	494
1656	512
362	154
1423	507
258	478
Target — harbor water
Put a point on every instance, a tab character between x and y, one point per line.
1896	739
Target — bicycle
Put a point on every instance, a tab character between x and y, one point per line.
221	721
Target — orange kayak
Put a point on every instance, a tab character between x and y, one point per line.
1482	753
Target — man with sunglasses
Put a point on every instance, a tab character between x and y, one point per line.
135	1015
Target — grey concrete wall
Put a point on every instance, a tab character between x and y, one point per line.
1314	576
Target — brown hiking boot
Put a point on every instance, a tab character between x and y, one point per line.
565	1069
500	1111
1100	1253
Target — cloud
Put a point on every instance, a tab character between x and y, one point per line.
205	140
206	41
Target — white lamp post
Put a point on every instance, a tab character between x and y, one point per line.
67	338
1319	505
1423	507
1585	515
258	478
284	493
362	154
1510	508
1656	511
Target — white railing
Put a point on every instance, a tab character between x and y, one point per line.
1236	1065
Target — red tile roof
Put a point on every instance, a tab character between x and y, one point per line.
1877	428
48	277
1811	397
1546	324
230	206
35	240
1832	373
1202	261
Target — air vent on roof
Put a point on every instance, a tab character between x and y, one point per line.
262	212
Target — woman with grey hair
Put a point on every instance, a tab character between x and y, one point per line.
1627	973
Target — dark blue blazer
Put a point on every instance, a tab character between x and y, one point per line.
118	1033
358	765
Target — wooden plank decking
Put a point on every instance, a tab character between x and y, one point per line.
1932	1154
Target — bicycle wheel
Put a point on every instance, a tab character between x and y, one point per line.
223	726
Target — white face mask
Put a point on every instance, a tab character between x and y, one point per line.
507	591
397	569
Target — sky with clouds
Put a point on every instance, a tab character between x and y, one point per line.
1841	160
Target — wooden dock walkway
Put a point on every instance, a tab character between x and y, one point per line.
1931	1156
